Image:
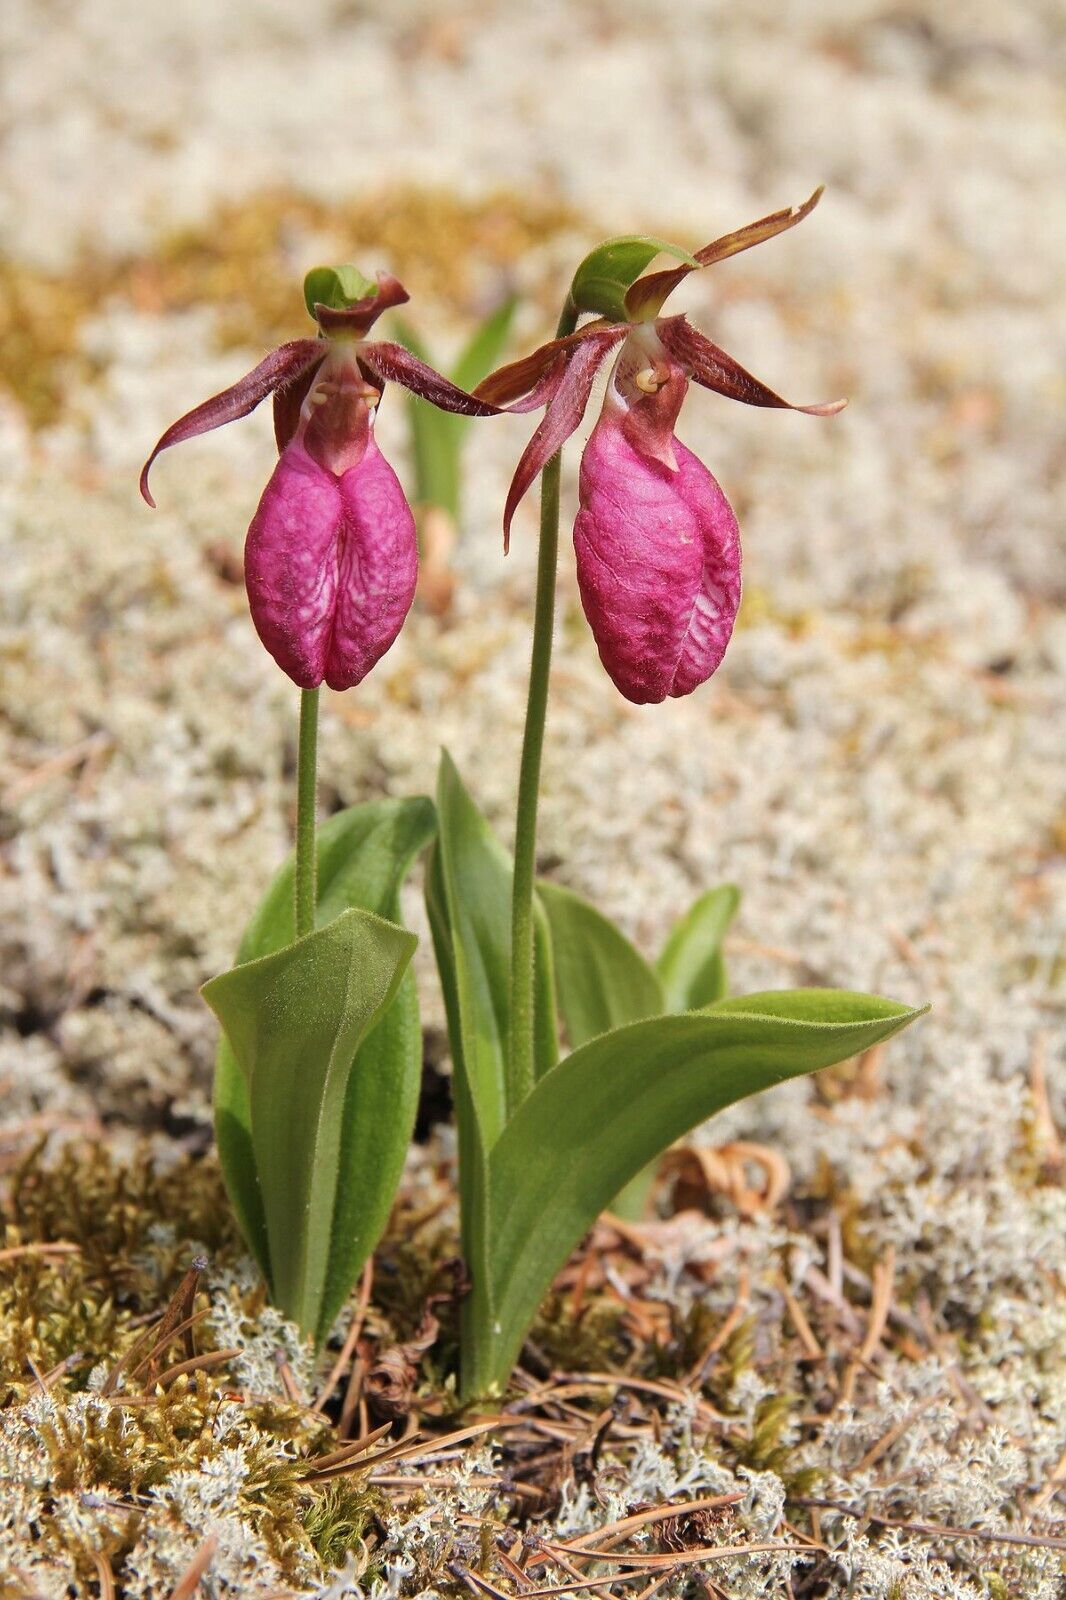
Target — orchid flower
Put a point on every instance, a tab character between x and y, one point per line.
656	540
331	556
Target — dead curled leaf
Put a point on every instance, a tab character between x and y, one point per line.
390	1383
701	1172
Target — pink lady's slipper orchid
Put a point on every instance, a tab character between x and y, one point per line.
330	560
657	544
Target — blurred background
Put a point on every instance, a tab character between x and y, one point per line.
879	761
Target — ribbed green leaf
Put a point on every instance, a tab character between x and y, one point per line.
472	873
604	1112
468	897
295	1021
601	981
364	855
691	967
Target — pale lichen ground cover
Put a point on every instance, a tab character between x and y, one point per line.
878	763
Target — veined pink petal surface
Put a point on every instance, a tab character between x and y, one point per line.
330	564
658	566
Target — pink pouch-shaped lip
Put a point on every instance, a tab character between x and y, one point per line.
658	565
330	565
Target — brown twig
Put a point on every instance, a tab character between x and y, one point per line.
105	1576
348	1350
15	1252
935	1530
203	1363
881	1300
189	1581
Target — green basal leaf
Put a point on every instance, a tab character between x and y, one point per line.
336	287
295	1021
364	855
468	897
607	1110
691	967
601	981
472	902
601	281
437	436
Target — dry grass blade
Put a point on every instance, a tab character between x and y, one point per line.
16	1252
105	1576
895	1433
644	1562
348	1452
355	1461
288	1379
189	1581
938	1530
798	1318
416	1450
210	1358
143	1339
347	1352
479	1585
655	1585
881	1303
695	1375
613	1533
620	1380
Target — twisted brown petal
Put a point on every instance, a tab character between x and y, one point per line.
565	411
282	366
522	377
647	295
388	362
714	369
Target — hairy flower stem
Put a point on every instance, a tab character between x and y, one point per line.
520	1074
306	796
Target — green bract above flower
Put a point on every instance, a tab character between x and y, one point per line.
339	288
604	277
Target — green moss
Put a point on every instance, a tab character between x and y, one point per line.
593	1340
123	1457
336	1520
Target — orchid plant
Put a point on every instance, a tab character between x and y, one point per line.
318	1070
